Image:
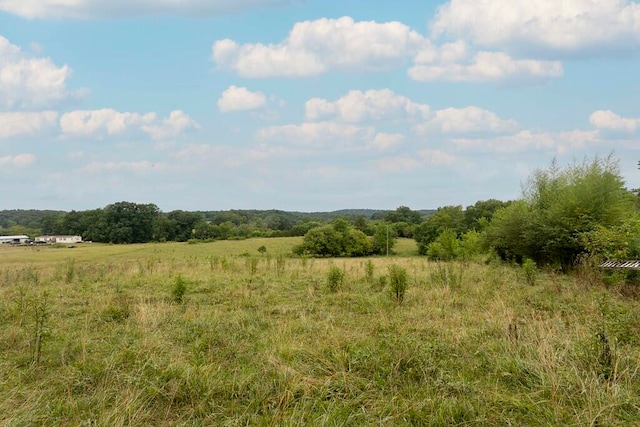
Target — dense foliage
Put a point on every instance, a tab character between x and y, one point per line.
341	239
565	212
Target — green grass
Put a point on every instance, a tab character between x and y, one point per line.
267	343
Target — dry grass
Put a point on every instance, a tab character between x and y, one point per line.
269	344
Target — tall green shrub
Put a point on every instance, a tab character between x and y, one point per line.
559	207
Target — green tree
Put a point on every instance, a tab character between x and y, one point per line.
182	224
323	241
383	239
445	218
403	214
478	216
128	222
559	207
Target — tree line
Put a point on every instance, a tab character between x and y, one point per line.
563	213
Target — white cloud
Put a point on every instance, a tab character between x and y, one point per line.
15	124
27	82
558	142
467	120
316	47
397	164
176	124
140	167
20	160
240	99
482	67
542	26
386	141
100	123
608	120
437	157
422	159
85	9
357	106
320	134
109	122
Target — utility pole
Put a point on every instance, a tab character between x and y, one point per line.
387	240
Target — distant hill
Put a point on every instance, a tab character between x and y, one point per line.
31	218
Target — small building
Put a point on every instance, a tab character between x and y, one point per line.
59	239
14	239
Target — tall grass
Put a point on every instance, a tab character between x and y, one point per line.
471	345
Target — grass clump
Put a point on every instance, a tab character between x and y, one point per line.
398	282
530	271
335	278
179	289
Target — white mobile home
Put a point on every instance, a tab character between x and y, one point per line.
59	239
14	239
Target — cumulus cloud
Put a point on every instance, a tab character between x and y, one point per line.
24	124
316	47
552	142
358	106
176	124
318	134
20	160
377	105
386	141
422	159
27	82
140	167
397	164
109	122
467	120
480	67
608	120
240	99
542	26
100	123
87	9
437	157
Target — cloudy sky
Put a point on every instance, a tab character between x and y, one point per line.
309	105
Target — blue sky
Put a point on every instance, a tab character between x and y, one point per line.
309	105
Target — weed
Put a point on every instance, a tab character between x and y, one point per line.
398	282
254	266
530	271
368	272
335	278
179	289
280	263
70	268
40	307
447	274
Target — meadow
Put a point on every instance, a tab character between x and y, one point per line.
221	334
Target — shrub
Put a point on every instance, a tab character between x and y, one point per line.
335	278
530	271
559	207
398	282
179	289
446	247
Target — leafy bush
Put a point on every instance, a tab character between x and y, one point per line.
342	239
335	278
445	247
398	282
561	210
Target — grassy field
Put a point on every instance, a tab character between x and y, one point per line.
217	334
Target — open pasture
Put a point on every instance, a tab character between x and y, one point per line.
219	334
